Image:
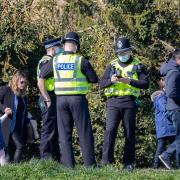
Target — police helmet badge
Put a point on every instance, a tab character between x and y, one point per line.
119	44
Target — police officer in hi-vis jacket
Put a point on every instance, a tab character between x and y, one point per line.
49	145
73	77
122	81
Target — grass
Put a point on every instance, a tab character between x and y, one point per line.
36	169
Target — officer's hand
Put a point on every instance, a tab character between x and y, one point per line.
8	111
124	80
114	78
48	103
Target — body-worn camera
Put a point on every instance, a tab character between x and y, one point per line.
119	73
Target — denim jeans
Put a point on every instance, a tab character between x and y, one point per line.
161	148
16	140
175	117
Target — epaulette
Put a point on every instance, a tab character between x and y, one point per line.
113	62
45	59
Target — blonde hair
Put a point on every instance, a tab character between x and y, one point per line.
13	83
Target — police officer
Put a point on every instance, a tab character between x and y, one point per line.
122	81
49	146
73	77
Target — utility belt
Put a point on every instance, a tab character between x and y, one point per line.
51	94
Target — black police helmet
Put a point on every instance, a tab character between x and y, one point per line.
51	42
123	45
72	36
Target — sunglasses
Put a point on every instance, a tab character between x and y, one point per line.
23	82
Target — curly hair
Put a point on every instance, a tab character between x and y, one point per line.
13	83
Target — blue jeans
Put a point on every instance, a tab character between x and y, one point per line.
161	148
175	117
17	140
2	144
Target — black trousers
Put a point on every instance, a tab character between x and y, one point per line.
114	115
70	110
49	145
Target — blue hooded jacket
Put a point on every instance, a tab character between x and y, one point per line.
171	70
164	126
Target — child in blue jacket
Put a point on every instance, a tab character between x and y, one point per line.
165	131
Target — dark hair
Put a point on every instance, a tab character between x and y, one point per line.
159	76
176	53
162	78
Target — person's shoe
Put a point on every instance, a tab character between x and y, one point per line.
129	167
156	165
103	163
96	166
165	161
2	158
93	166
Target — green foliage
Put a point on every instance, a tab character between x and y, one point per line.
152	26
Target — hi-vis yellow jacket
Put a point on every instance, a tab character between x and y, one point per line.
122	89
69	80
49	83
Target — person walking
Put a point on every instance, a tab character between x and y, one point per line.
49	146
171	69
73	77
13	102
165	131
122	81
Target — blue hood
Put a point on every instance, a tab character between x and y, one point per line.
167	66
